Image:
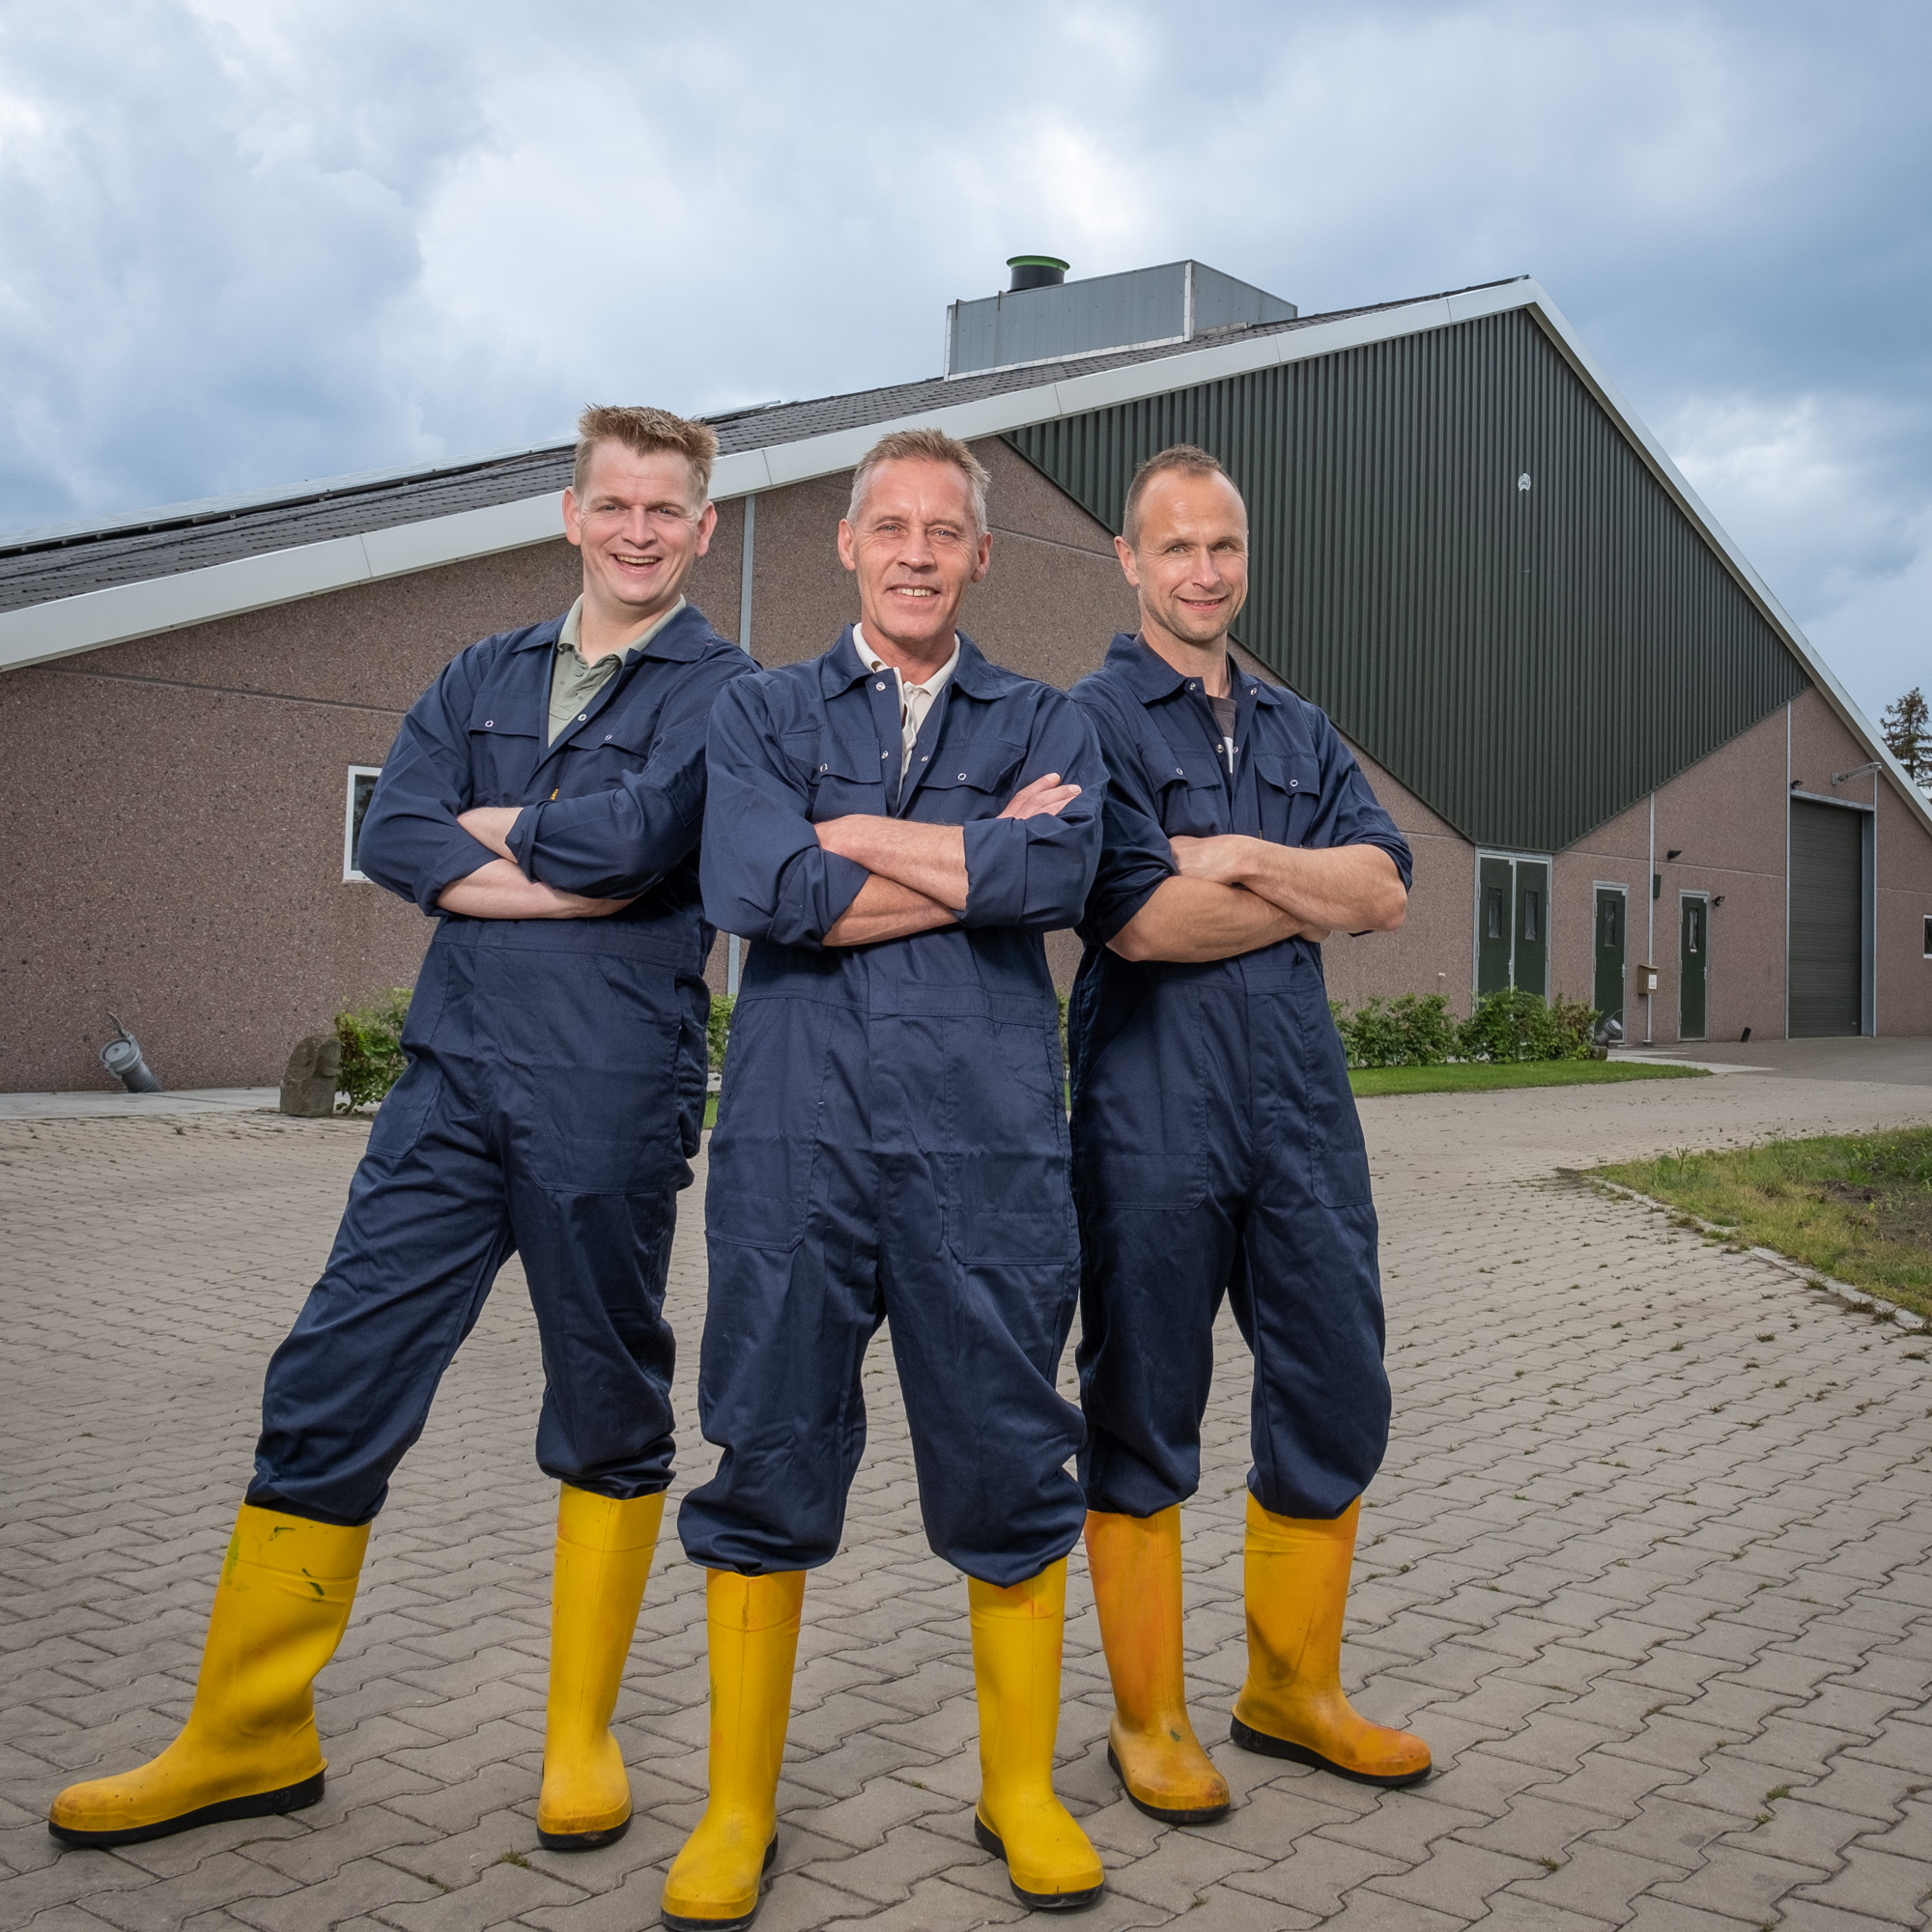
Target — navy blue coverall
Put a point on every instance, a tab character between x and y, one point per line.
1216	1144
556	1084
891	1138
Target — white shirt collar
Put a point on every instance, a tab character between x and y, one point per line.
872	661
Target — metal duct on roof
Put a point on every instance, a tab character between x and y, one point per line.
1174	302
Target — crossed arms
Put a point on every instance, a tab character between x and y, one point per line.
917	871
1234	893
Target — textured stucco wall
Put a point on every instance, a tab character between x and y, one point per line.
178	804
178	810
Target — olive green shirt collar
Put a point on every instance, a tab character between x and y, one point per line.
574	683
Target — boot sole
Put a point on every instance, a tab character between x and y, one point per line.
1263	1746
258	1804
580	1841
678	1924
1205	1814
1034	1901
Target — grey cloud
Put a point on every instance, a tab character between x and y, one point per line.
242	246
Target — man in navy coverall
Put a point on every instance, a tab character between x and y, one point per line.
543	801
894	825
1216	1151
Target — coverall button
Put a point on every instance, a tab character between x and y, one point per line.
825	768
582	715
880	686
489	723
962	777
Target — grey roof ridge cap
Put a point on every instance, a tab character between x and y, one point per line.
1850	713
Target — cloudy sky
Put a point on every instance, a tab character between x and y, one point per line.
246	242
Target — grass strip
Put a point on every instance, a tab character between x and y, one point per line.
1472	1076
1479	1076
1857	1206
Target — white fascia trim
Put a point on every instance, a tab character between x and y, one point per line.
97	618
41	632
1557	328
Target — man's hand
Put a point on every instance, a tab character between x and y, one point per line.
490	825
1341	887
1041	798
501	890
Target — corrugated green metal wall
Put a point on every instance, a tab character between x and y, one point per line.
1528	662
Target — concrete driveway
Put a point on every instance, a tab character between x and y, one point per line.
1650	1564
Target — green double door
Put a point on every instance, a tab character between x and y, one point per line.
1513	925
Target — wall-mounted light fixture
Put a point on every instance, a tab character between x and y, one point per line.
1716	903
1859	771
1676	851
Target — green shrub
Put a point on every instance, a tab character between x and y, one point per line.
1428	1028
1415	1030
717	1030
372	1046
1515	1025
1576	1023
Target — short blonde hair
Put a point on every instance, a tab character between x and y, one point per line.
645	431
1177	459
922	446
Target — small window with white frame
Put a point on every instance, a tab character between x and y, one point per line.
361	789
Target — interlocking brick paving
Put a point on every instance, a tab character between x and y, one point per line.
1650	1565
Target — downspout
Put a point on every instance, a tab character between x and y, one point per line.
1787	869
734	951
1650	930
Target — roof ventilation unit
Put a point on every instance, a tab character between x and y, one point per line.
1044	318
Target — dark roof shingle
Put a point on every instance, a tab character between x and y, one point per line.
37	567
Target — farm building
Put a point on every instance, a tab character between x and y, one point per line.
1625	775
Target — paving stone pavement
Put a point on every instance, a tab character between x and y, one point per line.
1650	1564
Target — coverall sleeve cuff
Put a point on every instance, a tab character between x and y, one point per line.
996	869
843	880
461	857
1125	907
523	839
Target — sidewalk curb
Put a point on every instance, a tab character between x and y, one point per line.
1852	1297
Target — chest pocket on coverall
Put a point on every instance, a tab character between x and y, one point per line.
1193	799
505	745
1289	795
970	777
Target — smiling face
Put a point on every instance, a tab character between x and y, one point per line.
639	529
914	549
1189	560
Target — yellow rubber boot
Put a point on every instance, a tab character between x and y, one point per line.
717	1881
603	1550
249	1748
1135	1563
1016	1640
1292	1705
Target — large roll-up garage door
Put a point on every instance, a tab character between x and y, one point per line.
1828	901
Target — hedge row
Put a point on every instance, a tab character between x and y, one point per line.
1418	1030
